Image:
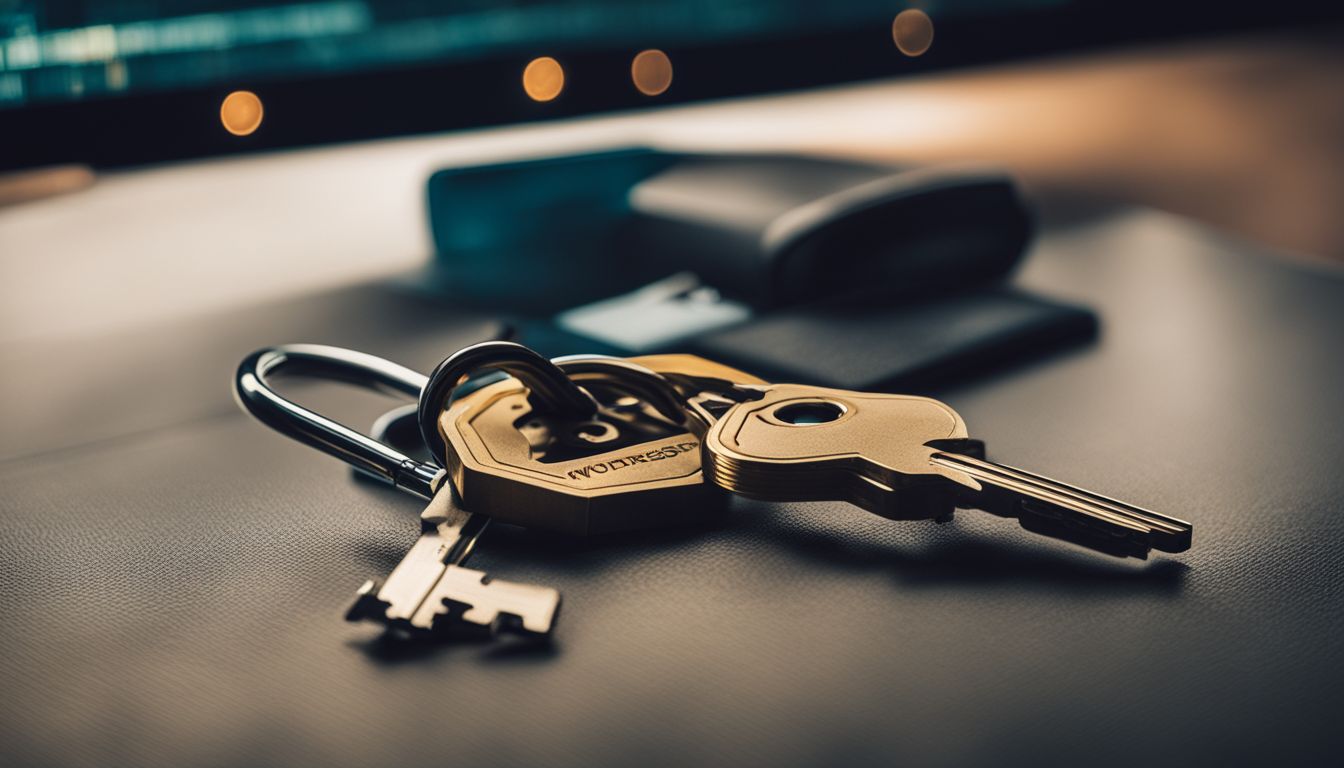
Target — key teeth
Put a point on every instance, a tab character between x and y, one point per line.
513	624
1100	539
1107	539
1177	542
462	600
1084	537
367	606
454	620
1062	511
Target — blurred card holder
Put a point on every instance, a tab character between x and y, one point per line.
802	269
912	346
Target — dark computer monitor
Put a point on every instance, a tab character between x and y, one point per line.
118	82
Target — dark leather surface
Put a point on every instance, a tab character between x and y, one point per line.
174	574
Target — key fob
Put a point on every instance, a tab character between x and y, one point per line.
618	472
628	469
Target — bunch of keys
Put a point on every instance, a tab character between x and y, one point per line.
534	449
588	445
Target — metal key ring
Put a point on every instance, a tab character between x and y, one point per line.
553	391
637	380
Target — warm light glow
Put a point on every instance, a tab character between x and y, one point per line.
652	72
913	32
543	79
240	113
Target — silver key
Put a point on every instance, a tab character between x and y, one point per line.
431	592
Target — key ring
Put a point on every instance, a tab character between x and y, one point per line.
551	391
554	396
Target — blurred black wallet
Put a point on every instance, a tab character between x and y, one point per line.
804	269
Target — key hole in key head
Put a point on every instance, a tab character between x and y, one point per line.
809	413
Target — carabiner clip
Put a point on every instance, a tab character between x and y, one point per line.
252	388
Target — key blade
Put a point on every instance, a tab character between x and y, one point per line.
449	535
1121	509
1064	511
458	528
471	597
401	594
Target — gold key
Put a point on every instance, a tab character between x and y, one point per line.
905	458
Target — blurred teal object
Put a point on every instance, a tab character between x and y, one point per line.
542	235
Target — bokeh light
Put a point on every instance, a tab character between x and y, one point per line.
913	32
652	72
240	113
543	79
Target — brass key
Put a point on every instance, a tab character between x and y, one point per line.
904	458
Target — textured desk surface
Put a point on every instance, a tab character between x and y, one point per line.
174	574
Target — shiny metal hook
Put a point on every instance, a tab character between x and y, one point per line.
550	390
637	380
553	384
254	394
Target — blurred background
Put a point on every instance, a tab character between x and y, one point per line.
1230	112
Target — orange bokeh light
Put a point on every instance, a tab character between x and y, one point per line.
241	113
543	79
912	29
652	72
